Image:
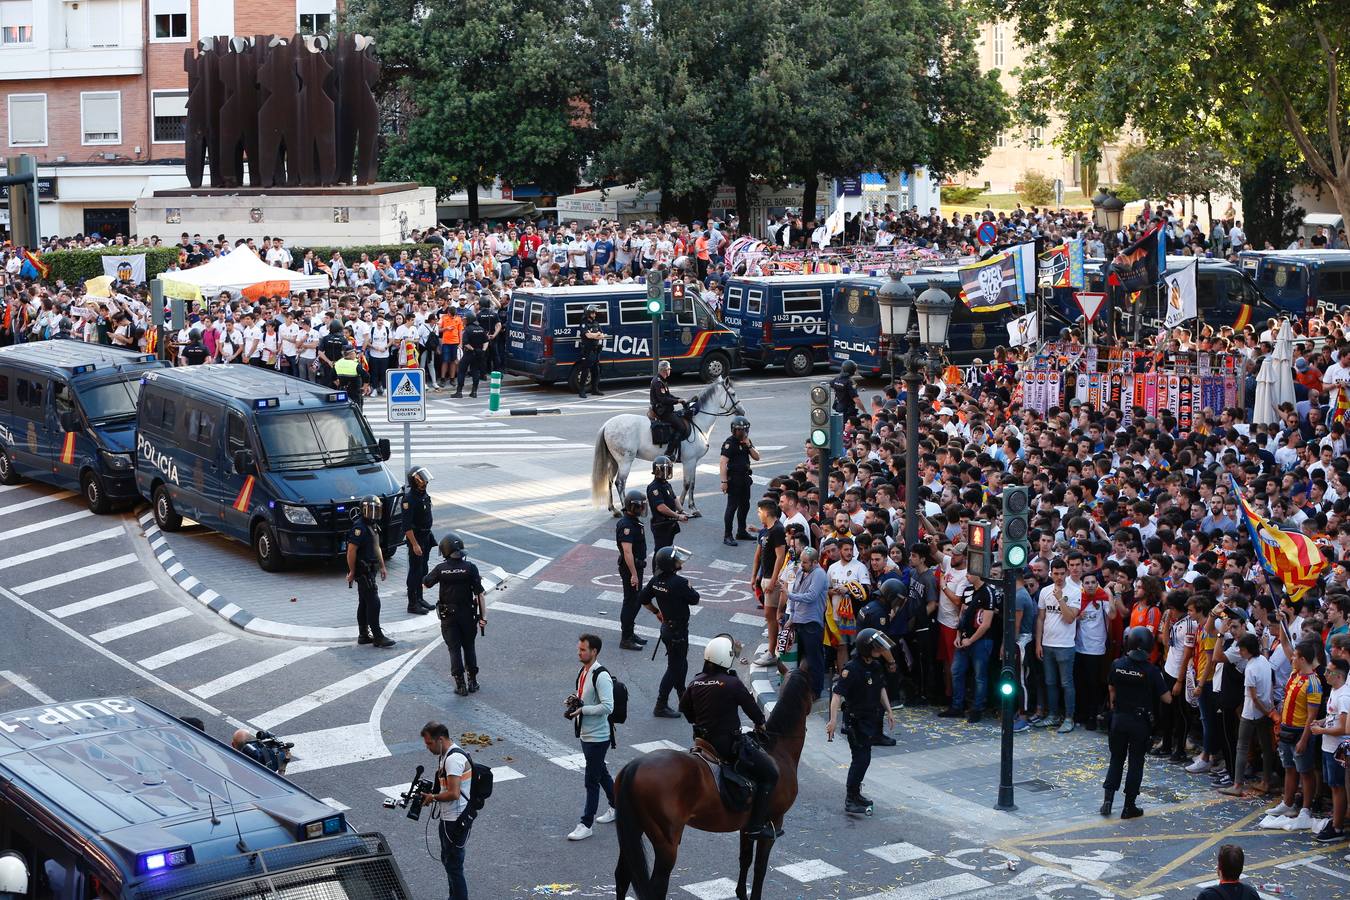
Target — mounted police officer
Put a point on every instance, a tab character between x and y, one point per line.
711	703
364	559
1135	685
590	340
668	596
737	451
349	376
461	609
473	343
860	694
417	534
846	398
632	541
663	404
667	514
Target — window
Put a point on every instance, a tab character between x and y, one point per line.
101	117
4	388
16	22
201	427
536	315
634	312
28	120
1333	281
316	16
1001	140
170	20
754	302
104	23
238	434
1034	137
170	116
572	313
168	415
29	396
998	46
518	312
733	301
802	301
688	318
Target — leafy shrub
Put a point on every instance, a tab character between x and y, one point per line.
960	195
1036	188
78	266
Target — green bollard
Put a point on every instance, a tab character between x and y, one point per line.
495	392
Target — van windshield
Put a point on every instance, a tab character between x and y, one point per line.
110	401
326	438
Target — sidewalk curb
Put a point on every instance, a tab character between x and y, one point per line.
764	683
243	619
523	411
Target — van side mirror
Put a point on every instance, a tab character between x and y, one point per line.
243	462
69	420
384	450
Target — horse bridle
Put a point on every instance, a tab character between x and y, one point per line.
735	404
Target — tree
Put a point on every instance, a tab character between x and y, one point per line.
1036	188
1268	204
1190	170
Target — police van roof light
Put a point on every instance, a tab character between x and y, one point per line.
83	370
159	860
323	827
268	403
336	397
146	357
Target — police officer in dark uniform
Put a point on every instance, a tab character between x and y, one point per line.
330	348
632	541
364	559
417	534
667	513
860	694
712	703
737	451
590	340
491	324
474	343
846	398
668	596
461	609
350	376
194	353
1135	685
663	404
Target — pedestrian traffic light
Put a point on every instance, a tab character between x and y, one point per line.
1007	684
1013	539
820	415
677	299
979	552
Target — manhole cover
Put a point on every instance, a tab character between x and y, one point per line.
478	465
1035	785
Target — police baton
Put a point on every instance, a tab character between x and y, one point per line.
659	641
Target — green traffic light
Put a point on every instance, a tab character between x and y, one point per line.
819	437
654	307
1006	688
1016	556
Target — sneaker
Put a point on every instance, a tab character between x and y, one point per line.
1304	821
1329	834
950	712
1065	728
580	833
1037	721
1199	765
605	817
1284	809
766	659
1224	782
1020	725
1055	722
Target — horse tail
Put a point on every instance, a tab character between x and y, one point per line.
603	470
632	854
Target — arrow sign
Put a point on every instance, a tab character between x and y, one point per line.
1090	303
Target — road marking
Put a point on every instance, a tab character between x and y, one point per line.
31	587
592	621
899	852
746	619
36	501
726	565
342	807
329	693
129	628
932	890
184	651
504	773
614	597
394	790
810	870
552	587
52	550
328	748
257	670
446	497
576	762
717	889
606	544
71	609
1309	863
26	686
44	524
651	746
483	537
535	566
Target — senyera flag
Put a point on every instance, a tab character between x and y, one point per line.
1287	555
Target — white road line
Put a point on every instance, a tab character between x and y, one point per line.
534	567
726	565
494	450
26	686
36	501
552	587
606	544
342	807
592	621
932	890
504	773
79	574
810	870
746	619
53	549
329	693
576	762
613	597
71	609
257	670
655	745
183	651
899	853
45	524
136	627
717	889
483	537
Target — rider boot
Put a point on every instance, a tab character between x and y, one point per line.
759	825
854	803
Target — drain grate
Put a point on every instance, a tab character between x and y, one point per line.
1035	785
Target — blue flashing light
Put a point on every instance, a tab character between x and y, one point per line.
333	825
268	403
154	862
336	397
84	369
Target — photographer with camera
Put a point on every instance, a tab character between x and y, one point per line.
263	747
450	793
589	708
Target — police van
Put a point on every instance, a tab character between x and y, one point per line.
260	457
68	417
544	339
1298	281
783	320
114	799
1224	294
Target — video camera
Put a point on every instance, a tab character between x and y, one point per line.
411	799
269	750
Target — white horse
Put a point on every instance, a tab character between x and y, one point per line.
625	438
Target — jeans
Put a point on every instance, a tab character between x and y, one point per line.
977	654
1089	677
1058	676
1209	721
453	845
1261	729
597	777
811	652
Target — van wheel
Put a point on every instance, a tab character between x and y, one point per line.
574	379
799	363
265	548
166	517
92	488
714	366
8	475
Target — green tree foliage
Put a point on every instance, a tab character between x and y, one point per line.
1268	208
1189	170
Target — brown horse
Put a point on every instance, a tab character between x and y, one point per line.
663	792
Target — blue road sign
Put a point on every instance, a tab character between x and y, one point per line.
406	399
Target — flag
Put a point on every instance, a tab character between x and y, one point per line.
40	267
99	287
1136	267
1341	411
256	292
990	284
1077	259
1025	254
1180	296
182	290
1287	555
1053	267
1023	330
125	268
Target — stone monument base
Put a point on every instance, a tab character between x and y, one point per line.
341	216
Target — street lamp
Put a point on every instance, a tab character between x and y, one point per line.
933	315
1108	213
896	301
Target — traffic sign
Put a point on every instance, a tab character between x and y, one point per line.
1090	303
987	233
406	401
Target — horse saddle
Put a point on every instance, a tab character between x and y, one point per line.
734	788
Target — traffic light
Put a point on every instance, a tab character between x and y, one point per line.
820	415
1013	539
656	293
1007	684
677	301
979	552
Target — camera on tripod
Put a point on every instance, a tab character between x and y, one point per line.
411	799
269	750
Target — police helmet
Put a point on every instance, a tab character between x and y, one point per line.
890	589
849	368
368	508
872	638
452	547
662	467
634	501
670	559
349	347
721	651
484	304
468	316
740	423
13	874
195	335
335	327
663	366
593	309
421	474
1139	643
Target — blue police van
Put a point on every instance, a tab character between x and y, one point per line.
783	320
1298	281
68	417
260	457
544	339
114	799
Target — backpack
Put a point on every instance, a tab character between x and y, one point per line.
620	714
480	781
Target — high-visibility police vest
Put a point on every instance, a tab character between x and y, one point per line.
345	368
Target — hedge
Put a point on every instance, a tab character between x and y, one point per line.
352	255
78	266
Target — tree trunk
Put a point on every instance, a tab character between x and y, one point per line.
1209	213
743	206
473	201
810	185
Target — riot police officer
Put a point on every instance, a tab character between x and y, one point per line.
860	694
663	405
461	609
668	596
737	451
1135	685
632	541
417	534
491	322
350	376
364	559
194	353
712	703
846	398
667	514
330	348
590	340
473	343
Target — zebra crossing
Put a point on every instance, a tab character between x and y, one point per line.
451	434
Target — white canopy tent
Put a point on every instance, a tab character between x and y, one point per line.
240	269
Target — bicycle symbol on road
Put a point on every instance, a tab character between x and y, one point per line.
710	589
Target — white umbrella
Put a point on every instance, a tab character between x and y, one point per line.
1284	368
1263	410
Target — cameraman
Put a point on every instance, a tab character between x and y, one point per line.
261	750
453	776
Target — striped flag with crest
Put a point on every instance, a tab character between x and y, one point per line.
1292	557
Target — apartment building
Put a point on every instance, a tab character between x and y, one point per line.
95	89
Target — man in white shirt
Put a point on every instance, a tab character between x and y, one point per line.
1335	379
453	786
847	567
289	333
253	335
576	255
1056	635
278	255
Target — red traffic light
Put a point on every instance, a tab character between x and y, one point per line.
979	535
